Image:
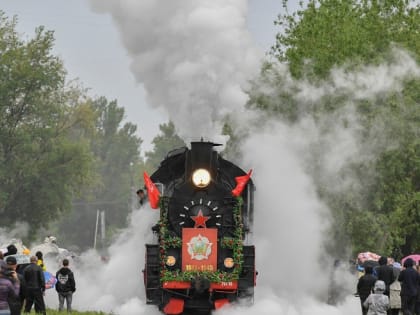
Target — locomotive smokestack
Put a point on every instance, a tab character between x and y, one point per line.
202	155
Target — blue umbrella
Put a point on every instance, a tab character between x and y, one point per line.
50	280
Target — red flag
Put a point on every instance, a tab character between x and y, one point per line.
241	182
152	192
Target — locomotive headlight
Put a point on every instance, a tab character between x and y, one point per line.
228	262
170	261
201	178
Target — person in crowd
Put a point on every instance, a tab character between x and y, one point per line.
141	195
35	286
409	278
385	273
15	302
11	250
2	262
40	261
365	286
65	286
377	302
397	269
417	306
395	292
9	287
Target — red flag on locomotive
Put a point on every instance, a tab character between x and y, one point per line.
241	182
152	191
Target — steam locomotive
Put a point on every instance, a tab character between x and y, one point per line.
202	259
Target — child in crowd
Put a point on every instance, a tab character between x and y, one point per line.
40	261
377	303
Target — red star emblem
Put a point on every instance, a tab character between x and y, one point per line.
200	220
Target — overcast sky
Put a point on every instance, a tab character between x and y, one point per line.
91	49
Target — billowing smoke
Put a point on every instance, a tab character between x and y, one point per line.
114	284
17	231
194	57
336	137
291	224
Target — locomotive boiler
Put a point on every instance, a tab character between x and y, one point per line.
203	258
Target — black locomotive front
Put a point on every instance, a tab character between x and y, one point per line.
201	261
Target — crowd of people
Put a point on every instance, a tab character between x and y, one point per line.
23	285
389	288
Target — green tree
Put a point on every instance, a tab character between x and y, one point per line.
115	147
398	196
42	165
332	33
166	141
117	150
380	211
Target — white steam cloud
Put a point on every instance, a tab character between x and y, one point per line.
115	285
370	82
18	231
193	57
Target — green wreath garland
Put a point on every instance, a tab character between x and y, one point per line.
235	243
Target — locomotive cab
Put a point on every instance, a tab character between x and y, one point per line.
202	260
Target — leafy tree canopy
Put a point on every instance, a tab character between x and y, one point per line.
332	33
115	148
166	141
379	212
42	164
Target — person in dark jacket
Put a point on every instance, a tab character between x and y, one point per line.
385	273
365	286
65	286
35	287
141	195
15	302
410	279
11	250
9	287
